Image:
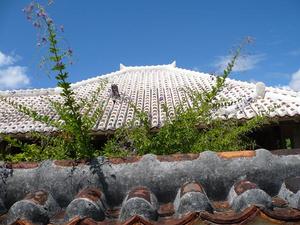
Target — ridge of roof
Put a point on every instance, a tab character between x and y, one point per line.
171	65
225	188
30	92
123	69
56	90
147	85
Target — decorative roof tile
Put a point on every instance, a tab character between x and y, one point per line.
147	191
149	87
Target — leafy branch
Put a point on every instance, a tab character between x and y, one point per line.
76	118
194	126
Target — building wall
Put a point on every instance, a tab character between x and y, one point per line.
297	136
282	135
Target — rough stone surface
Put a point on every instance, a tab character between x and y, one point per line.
36	207
44	199
90	203
77	187
192	202
191	197
138	206
140	201
291	196
2	207
216	175
84	207
251	197
243	185
27	210
239	188
293	184
191	187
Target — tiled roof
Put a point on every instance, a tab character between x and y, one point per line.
149	87
251	187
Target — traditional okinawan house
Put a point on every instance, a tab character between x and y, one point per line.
149	87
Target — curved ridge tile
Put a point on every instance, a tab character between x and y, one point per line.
89	203
191	197
37	207
245	193
290	191
140	201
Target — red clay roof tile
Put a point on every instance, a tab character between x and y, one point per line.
223	212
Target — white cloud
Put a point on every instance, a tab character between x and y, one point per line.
6	59
12	76
243	63
295	81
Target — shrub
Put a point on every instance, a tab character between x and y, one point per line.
192	129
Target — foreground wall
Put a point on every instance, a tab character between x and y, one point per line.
219	188
163	176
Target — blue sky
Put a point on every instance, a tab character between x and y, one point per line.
197	34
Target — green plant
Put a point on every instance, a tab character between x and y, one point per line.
288	143
192	129
44	147
77	117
